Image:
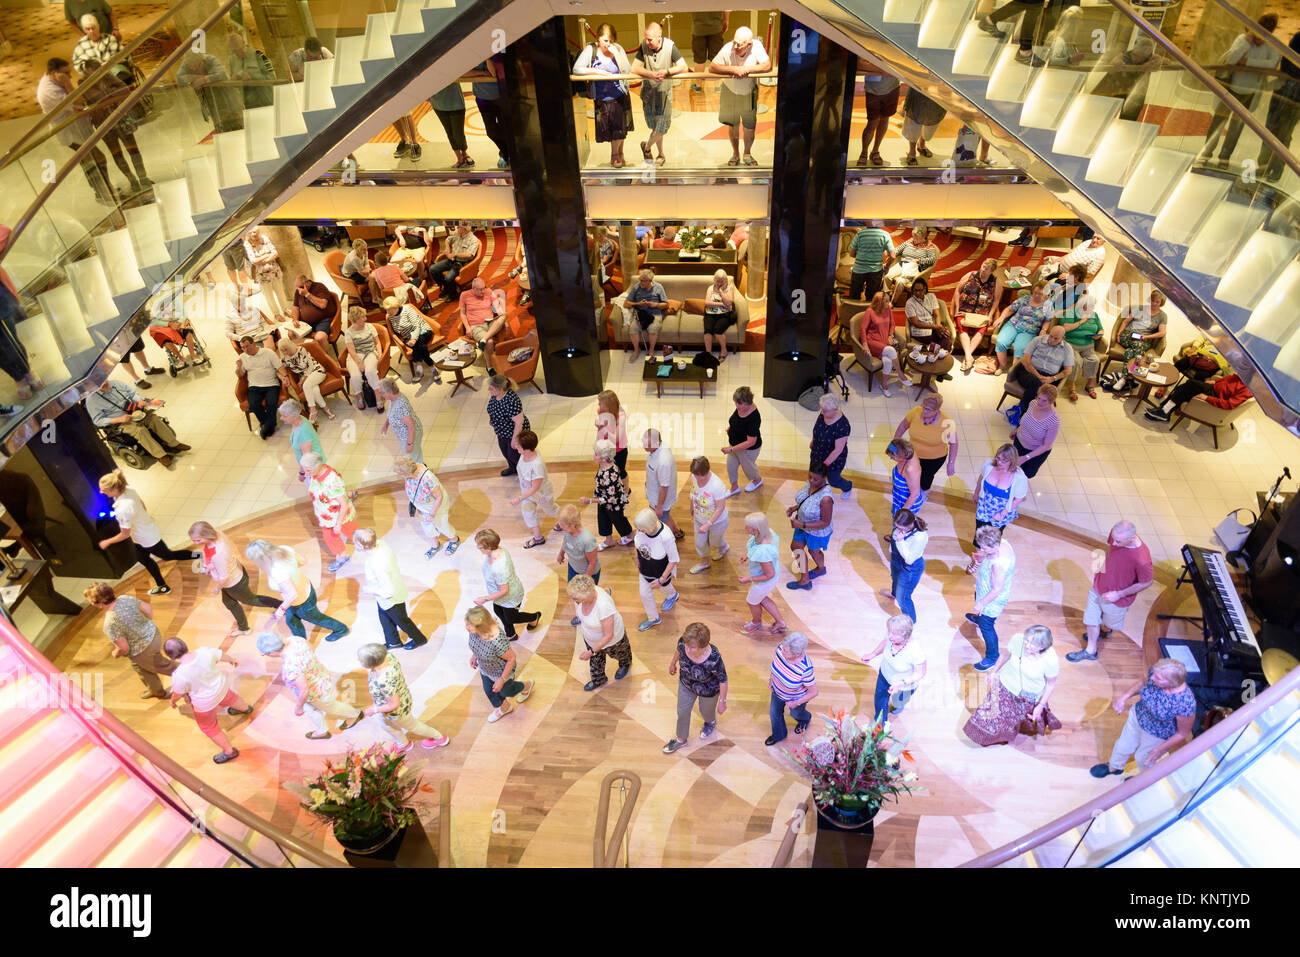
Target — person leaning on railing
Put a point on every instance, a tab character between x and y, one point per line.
252	66
220	101
1248	49
1283	115
74	130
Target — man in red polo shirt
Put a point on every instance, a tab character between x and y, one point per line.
1117	578
385	275
483	313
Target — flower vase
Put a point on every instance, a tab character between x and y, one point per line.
845	832
381	844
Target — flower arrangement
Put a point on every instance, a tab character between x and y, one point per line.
692	238
855	768
368	794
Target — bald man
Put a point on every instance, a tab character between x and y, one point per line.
657	61
738	102
1118	575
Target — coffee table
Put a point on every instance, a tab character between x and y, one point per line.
457	367
1159	375
692	373
927	371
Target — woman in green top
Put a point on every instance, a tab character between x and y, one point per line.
1076	312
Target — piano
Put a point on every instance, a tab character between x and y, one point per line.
1229	638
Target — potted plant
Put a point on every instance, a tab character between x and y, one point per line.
854	770
693	240
366	799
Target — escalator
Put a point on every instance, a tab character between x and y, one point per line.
1221	240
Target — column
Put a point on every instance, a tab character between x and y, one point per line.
537	114
814	104
293	256
756	265
627	253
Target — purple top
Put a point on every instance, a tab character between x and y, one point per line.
1035	433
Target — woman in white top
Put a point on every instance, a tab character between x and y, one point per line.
924	320
901	669
283	570
427	496
138	525
719	312
601	626
656	560
264	262
1020	685
229	577
906	560
709	509
763	553
362	343
912	258
310	374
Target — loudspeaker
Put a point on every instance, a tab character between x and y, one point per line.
56	476
1275	571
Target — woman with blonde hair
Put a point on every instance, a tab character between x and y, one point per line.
611	497
611	424
392	698
656	559
1020	685
310	375
719	312
875	331
1001	489
763	552
264	263
333	506
902	666
361	344
426	495
933	436
907	491
229	576
283	570
135	523
384	580
1159	722
129	625
491	655
507	594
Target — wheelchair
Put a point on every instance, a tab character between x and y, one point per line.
126	447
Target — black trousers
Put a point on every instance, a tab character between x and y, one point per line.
1031	467
510	617
420	348
444	273
391	619
262	400
491	113
508	450
1188	390
864	285
453	121
608	519
13	354
929	469
145	557
240	594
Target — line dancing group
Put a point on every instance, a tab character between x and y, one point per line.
1021	674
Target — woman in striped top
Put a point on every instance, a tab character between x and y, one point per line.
793	686
1037	431
907	491
409	326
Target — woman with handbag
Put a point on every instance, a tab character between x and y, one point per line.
612	102
1020	685
264	260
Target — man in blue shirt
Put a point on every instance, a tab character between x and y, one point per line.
872	250
651	302
116	404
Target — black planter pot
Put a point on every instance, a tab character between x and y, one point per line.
382	845
844	836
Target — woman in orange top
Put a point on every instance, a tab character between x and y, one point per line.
933	435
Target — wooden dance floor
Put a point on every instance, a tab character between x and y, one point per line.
525	788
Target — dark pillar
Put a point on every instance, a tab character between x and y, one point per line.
537	113
814	102
51	489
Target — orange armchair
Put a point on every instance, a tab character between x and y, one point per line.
335	380
241	396
333	269
522	373
469	272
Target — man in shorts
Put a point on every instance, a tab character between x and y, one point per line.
738	100
648	302
657	59
1119	575
483	315
708	31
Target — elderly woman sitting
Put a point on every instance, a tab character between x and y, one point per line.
410	326
912	259
719	312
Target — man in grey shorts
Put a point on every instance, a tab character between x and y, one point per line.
708	32
657	59
738	98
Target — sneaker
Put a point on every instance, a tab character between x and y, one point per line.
985	664
845	495
523	695
1103	770
730	492
575	621
1157	415
222	757
415	152
754	486
142	384
339	562
696	569
674	744
413	644
336	635
430	743
622	672
593	685
696	88
669	602
1081	655
772	739
649	623
402	149
989	27
160	590
506	707
708	729
885	392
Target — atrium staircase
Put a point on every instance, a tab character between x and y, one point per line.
1225	799
1215	229
73	793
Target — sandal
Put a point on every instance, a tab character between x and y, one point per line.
645	151
749	160
750	627
313	736
1074	397
734	161
924	151
660	160
452	546
619	165
534	542
877	159
1092	393
911	161
778	629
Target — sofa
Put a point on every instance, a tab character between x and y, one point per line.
684	327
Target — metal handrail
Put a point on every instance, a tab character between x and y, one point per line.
792	832
1255	28
605	854
110	723
1188	753
1198	71
104	128
11	154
